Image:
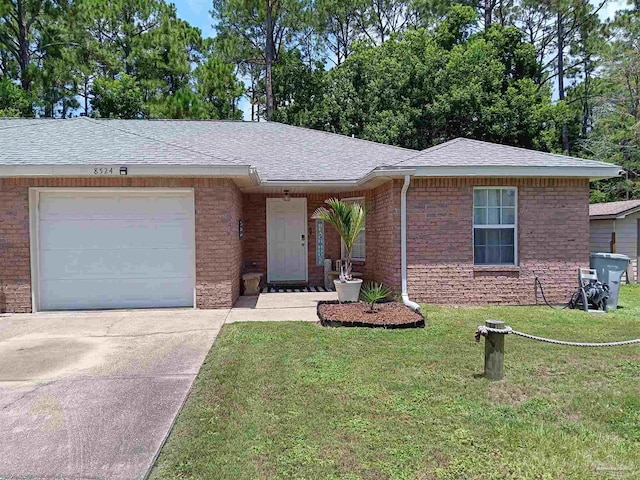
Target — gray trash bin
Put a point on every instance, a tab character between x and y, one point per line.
610	267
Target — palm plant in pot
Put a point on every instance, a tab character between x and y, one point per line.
348	220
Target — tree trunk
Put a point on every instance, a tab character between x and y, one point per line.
586	109
347	267
488	7
23	46
253	104
561	93
86	96
269	57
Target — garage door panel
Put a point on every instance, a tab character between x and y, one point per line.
125	263
115	234
116	249
115	293
85	206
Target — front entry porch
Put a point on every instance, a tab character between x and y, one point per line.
290	249
279	307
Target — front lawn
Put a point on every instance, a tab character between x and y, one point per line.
295	400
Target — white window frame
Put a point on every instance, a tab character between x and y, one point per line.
343	252
514	226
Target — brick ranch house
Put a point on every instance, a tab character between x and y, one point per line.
134	213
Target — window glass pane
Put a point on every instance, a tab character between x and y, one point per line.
506	254
506	236
479	236
508	216
494	197
480	216
494	246
509	197
493	237
479	198
493	216
358	250
493	255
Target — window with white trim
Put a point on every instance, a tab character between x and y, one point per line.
495	237
359	246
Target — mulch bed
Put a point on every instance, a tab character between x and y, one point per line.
386	315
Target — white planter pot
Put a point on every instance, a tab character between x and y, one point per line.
348	291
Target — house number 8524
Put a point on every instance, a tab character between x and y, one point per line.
103	171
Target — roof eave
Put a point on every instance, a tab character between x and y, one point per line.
135	170
590	172
385	173
375	176
616	216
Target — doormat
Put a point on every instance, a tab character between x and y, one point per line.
273	288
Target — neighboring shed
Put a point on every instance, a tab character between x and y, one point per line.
615	228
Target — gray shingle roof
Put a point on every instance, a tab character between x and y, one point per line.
612	208
83	141
466	152
277	151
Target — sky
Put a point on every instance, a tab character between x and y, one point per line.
196	12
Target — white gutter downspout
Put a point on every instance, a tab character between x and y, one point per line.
403	245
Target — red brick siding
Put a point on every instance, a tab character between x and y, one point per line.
553	241
383	234
218	245
15	269
553	229
218	205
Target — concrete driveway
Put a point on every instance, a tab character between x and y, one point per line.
93	395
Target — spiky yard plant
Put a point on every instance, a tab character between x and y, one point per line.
348	220
373	292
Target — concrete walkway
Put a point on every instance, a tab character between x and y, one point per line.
88	395
279	307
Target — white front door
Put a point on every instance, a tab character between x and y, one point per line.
287	240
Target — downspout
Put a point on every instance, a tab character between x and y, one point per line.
403	245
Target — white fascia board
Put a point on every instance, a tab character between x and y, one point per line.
592	173
309	183
132	171
253	175
626	213
616	216
386	172
376	173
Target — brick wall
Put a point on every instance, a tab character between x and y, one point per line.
553	237
383	234
553	241
218	205
15	269
218	245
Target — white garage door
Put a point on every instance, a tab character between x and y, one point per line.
128	249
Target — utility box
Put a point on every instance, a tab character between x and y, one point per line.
610	268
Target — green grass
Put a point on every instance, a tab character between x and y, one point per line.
295	400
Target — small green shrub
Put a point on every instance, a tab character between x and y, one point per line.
373	292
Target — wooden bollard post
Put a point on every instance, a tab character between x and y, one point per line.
494	351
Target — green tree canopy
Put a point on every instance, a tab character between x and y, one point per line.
424	87
117	97
14	101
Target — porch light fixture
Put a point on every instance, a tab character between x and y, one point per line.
285	195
